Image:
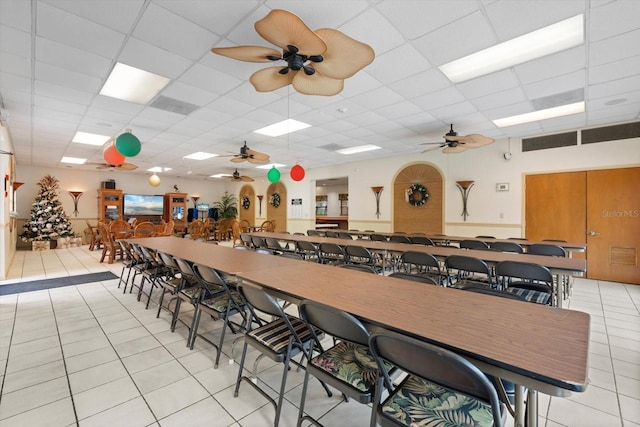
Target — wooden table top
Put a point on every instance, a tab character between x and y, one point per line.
556	264
540	347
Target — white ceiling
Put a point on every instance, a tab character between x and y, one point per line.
56	54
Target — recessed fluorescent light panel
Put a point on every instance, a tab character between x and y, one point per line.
271	165
282	128
158	169
545	41
358	149
534	116
200	156
220	175
133	84
90	138
73	160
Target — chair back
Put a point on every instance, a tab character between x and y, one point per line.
533	282
507	247
307	249
258	242
334	322
399	238
434	364
359	267
273	244
245	226
465	269
168	261
312	233
169	227
259	300
184	266
119	226
209	279
268	226
331	234
421	261
144	229
422	240
236	228
525	271
331	253
196	230
378	238
415	277
473	244
359	255
546	249
344	235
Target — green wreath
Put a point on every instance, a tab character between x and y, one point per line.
417	194
245	202
274	200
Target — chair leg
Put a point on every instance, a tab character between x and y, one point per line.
239	379
174	320
193	330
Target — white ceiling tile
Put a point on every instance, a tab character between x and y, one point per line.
614	70
187	93
624	13
567	82
117	14
615	48
485	85
70	58
422	83
117	105
398	64
218	16
377	98
15	64
20	41
451	112
63	27
554	65
56	104
439	99
209	79
140	54
51	90
16	14
375	30
620	86
499	99
399	109
169	31
67	78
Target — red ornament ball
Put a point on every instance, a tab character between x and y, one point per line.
297	173
112	156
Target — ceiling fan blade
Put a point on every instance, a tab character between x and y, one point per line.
317	84
258	161
246	178
238	159
456	149
475	140
434	147
247	53
270	79
257	155
124	166
283	28
344	56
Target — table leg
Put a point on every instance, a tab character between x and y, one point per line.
519	406
532	408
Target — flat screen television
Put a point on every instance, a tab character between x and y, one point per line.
142	204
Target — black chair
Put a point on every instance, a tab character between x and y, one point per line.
258	242
533	282
313	233
485	237
153	271
436	377
359	267
308	250
361	256
422	240
507	247
330	253
422	264
473	244
292	255
378	238
465	270
172	281
263	251
546	249
245	238
331	234
128	262
399	238
274	245
348	365
280	340
414	277
344	235
221	306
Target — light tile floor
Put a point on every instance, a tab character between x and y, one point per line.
90	355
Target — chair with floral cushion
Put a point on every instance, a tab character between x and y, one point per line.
441	388
348	365
280	339
96	237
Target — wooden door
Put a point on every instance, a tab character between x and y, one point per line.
555	205
277	205
613	225
425	218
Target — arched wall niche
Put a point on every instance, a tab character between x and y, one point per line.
427	218
277	214
248	214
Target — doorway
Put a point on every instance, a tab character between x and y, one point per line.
600	208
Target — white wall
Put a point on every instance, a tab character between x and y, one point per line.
490	212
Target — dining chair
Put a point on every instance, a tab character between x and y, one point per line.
96	238
473	244
399	238
308	250
109	248
313	233
414	277
144	229
344	235
440	388
550	249
378	237
422	264
464	270
172	281
222	306
533	282
258	242
421	240
330	253
359	267
347	365
360	255
507	247
129	260
280	339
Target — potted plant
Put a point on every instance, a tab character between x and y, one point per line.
227	206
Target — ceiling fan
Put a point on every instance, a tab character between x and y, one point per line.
249	155
454	143
325	56
123	167
237	177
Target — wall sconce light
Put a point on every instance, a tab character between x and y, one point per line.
377	191
76	196
260	197
464	187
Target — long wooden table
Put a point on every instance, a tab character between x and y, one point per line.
542	348
558	265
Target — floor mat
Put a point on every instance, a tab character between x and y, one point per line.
58	282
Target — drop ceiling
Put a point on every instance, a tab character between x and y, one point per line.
55	56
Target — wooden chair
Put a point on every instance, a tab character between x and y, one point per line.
96	237
144	229
109	248
245	226
196	230
169	228
119	228
268	226
236	228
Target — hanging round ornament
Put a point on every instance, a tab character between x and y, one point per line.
273	175
154	180
128	144
112	156
297	173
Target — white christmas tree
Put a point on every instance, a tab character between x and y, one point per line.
47	220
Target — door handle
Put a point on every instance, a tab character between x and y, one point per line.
593	233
